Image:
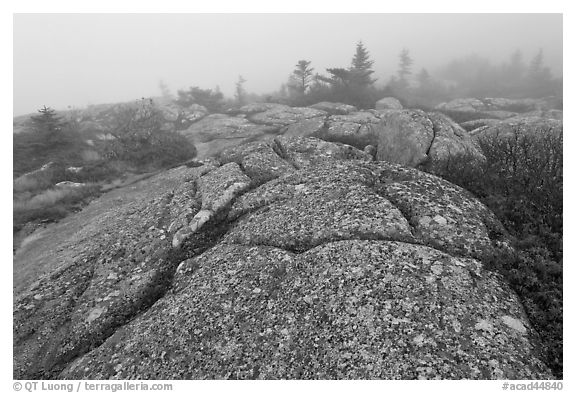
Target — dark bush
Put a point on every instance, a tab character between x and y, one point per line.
461	117
51	205
36	147
521	181
211	100
139	139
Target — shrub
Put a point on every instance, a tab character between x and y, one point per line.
462	117
521	181
211	100
50	205
537	279
140	140
35	147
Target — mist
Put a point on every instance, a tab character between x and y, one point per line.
73	60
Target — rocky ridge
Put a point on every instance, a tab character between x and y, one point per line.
405	136
284	258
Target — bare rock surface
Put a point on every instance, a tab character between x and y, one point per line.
501	108
471	125
285	116
315	262
334	108
217	132
388	103
98	269
357	129
522	125
413	137
495	104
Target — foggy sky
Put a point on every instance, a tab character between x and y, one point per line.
65	60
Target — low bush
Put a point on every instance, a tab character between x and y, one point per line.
50	205
139	140
461	116
521	181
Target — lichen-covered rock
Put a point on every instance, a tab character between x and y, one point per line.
97	270
218	189
330	266
257	107
219	126
501	108
356	129
282	116
302	152
259	160
553	114
522	125
320	211
405	137
450	140
442	215
306	127
516	104
413	137
474	124
217	132
388	103
355	309
462	105
334	108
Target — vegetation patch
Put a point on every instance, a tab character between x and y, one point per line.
521	181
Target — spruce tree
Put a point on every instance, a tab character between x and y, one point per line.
405	65
48	124
240	92
302	76
361	69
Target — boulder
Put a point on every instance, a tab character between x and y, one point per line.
474	124
257	107
523	125
327	265
306	127
334	108
516	104
553	114
470	109
282	116
388	103
69	184
462	105
217	132
356	129
413	138
191	114
74	169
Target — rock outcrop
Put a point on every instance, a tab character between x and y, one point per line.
388	103
489	110
494	104
522	125
414	137
312	261
409	137
334	108
217	132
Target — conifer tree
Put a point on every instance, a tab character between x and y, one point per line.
405	65
361	69
48	124
302	76
240	92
